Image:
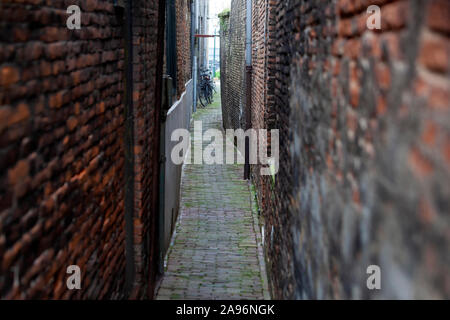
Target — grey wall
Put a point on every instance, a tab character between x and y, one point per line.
178	117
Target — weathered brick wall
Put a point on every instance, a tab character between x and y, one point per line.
364	160
259	62
183	26
274	194
145	142
270	82
62	148
233	101
224	53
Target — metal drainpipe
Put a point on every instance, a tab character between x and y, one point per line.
192	36
158	187
248	84
171	43
214	56
193	54
129	151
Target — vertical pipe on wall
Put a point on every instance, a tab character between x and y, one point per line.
158	185
171	42
248	83
214	55
129	151
193	53
192	35
248	34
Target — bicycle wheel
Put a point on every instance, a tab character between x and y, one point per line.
209	95
211	91
202	99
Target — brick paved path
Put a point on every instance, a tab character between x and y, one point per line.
215	252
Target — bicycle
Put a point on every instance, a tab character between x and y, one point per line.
206	88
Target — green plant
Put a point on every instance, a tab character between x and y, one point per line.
222	17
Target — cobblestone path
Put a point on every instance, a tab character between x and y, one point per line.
216	252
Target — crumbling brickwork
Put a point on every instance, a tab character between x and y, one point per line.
233	98
62	115
270	83
147	72
224	52
183	25
364	146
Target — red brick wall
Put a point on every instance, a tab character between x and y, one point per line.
259	62
146	136
183	26
233	91
270	98
62	148
364	165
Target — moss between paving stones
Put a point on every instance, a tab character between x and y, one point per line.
222	225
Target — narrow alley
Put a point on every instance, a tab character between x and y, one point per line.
340	110
216	251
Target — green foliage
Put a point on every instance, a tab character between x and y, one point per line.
222	17
217	75
225	12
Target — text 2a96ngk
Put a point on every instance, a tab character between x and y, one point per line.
246	309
